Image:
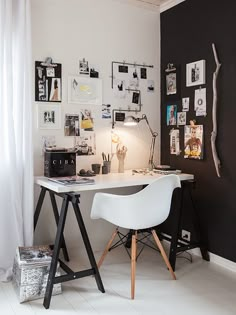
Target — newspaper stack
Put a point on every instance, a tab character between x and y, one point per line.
30	272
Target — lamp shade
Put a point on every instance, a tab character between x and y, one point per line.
130	121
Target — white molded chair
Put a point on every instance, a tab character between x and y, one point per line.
145	209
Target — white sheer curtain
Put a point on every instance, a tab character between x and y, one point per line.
16	158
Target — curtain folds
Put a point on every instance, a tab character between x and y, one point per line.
16	157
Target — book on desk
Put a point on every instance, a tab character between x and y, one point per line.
72	180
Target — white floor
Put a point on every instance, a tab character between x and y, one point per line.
201	289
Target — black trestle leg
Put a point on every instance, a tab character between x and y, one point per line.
56	215
56	250
39	205
176	230
87	243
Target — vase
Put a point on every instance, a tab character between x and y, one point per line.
121	166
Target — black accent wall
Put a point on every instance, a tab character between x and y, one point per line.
187	32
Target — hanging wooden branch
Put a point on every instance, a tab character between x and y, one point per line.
214	118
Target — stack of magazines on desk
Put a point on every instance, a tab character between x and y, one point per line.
165	170
72	180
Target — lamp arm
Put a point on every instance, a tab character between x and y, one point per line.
152	147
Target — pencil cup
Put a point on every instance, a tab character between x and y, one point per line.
104	169
108	165
96	168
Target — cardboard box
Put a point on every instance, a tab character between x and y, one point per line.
30	272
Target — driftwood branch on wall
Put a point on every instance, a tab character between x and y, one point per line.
214	116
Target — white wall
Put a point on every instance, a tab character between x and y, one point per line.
100	31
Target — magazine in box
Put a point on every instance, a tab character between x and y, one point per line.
30	272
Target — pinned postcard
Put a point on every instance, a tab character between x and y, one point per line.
181	118
200	102
174	142
185	104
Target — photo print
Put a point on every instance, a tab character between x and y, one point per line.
171	115
106	111
174	142
87	122
143	73
83	66
150	85
48	142
171	87
134	79
123	69
49	116
86	144
185	104
94	72
193	142
181	118
47	82
119	88
136	97
71	126
200	102
195	73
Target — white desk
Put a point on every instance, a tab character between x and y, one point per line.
111	180
72	194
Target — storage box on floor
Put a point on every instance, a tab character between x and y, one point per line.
30	272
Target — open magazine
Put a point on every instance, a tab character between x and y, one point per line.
72	180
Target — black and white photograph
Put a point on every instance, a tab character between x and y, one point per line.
94	71
119	88
71	126
47	82
181	118
185	104
134	79
49	116
106	111
200	102
35	254
150	86
174	142
143	73
83	66
123	69
195	73
171	87
136	98
85	144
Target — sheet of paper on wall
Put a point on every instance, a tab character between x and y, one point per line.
87	120
119	88
134	76
174	142
86	144
48	142
200	102
185	104
181	118
106	111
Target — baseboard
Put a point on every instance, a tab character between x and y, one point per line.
169	4
220	261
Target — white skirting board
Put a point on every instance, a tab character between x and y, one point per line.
225	263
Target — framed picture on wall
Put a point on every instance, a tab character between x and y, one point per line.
84	90
49	116
172	82
47	82
196	73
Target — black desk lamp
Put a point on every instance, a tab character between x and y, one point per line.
132	121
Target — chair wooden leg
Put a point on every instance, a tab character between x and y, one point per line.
159	245
133	263
107	247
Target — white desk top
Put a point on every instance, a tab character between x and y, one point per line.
111	180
